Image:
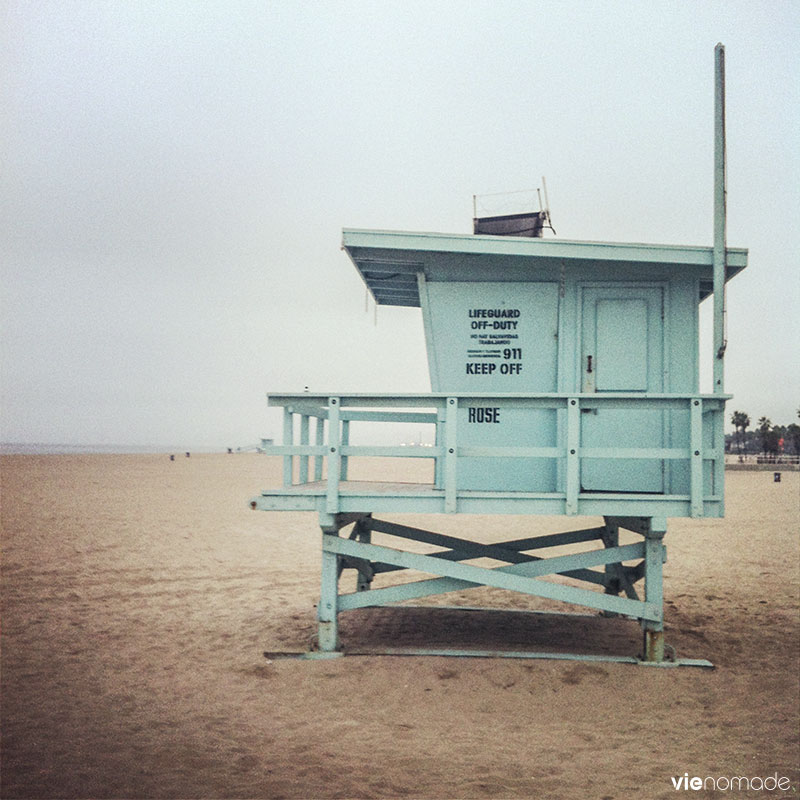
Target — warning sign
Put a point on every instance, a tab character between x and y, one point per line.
492	330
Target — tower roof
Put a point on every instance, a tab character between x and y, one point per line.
388	261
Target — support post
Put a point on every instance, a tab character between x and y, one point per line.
654	589
364	534
328	609
611	577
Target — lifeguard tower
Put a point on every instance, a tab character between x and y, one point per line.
565	381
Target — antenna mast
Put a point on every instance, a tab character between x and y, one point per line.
720	219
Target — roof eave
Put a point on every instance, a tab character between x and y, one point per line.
388	261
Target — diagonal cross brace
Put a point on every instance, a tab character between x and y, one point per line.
516	577
503	551
463	550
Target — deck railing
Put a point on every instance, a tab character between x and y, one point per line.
699	432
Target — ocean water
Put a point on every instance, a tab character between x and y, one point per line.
40	448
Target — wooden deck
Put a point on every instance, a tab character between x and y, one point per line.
425	498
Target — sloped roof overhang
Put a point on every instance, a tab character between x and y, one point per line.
388	261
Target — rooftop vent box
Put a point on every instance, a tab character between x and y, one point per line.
529	224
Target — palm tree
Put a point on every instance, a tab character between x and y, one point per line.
794	434
740	422
764	426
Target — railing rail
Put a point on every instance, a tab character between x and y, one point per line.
700	441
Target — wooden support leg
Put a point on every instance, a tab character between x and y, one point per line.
611	576
654	590
328	609
365	576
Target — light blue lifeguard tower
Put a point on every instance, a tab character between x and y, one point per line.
565	381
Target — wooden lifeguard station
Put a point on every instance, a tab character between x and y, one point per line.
565	381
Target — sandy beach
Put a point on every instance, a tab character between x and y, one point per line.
139	595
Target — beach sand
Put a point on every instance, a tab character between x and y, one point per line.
139	595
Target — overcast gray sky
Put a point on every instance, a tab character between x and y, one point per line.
176	177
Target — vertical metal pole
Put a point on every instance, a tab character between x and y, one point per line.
719	219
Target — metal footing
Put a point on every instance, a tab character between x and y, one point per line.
310	655
654	645
455	653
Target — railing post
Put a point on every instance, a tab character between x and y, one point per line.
304	440
345	442
438	461
451	454
288	439
334	456
696	490
718	423
573	454
319	438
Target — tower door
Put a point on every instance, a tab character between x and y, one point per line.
622	352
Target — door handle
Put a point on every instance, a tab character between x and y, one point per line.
588	363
